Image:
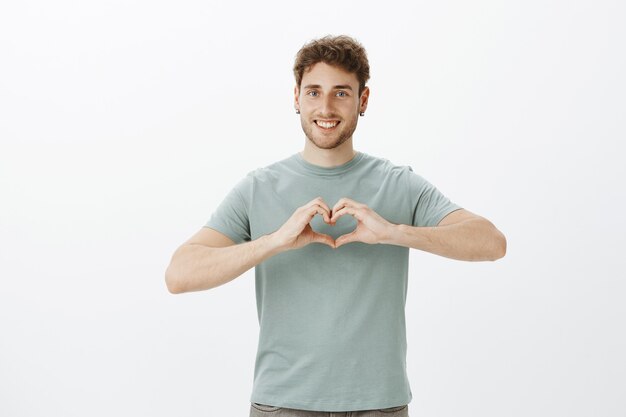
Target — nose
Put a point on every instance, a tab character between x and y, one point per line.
326	106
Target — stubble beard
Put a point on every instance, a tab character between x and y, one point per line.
321	141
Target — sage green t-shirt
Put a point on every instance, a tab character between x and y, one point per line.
332	325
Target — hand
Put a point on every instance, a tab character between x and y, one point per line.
371	227
297	232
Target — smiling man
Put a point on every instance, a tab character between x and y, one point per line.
328	231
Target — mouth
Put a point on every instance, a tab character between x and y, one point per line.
327	125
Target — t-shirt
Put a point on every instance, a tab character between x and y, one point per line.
332	321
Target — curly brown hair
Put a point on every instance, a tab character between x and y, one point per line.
341	51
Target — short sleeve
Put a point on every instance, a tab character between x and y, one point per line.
231	215
429	205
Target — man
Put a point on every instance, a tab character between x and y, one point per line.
330	289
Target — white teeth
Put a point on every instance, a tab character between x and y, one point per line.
326	125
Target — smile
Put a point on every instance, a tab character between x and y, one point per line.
327	125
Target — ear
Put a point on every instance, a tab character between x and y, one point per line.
363	99
296	94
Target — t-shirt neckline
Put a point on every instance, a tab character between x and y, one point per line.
328	171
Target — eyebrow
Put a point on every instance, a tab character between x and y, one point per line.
346	87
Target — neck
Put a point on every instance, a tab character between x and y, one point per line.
328	158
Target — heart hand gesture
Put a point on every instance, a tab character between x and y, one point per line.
297	232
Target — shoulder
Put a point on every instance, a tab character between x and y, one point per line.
385	166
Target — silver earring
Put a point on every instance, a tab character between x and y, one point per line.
362	114
297	111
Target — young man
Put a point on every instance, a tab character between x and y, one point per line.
330	289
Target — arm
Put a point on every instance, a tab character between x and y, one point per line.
460	235
210	259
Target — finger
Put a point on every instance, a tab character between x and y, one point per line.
326	213
316	209
346	210
347	238
314	201
321	203
322	238
345	202
318	200
339	204
337	214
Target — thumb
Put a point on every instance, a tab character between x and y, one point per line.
325	239
343	239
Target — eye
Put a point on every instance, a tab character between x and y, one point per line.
342	92
312	91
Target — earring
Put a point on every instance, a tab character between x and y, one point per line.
297	111
362	114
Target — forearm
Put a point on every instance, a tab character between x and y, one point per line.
196	267
470	240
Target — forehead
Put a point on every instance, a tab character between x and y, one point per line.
328	75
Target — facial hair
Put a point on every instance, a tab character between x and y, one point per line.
346	129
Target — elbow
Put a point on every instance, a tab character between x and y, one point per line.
173	274
172	283
500	249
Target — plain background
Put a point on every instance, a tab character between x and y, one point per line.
123	124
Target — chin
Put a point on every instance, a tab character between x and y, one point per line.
327	144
